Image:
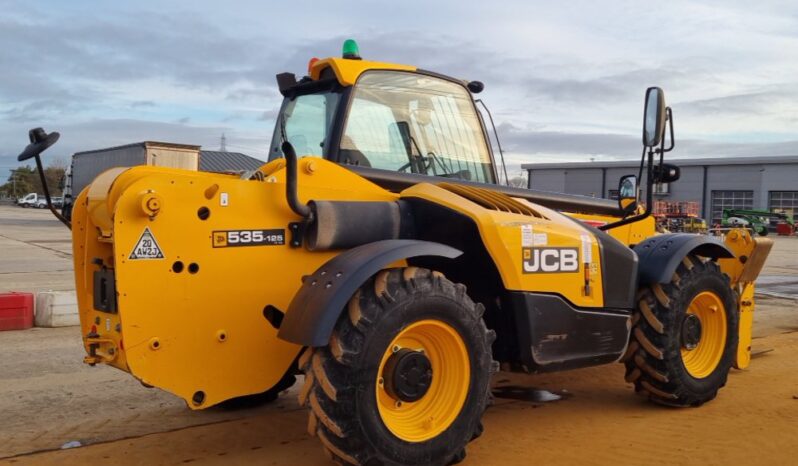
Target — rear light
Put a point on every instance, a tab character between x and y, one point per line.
311	62
593	223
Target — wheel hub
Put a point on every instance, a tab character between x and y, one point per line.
407	375
691	331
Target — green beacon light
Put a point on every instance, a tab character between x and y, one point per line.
351	50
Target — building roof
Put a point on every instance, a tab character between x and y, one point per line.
215	161
775	159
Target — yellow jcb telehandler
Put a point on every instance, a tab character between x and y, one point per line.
390	267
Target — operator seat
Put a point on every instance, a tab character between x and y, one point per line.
350	155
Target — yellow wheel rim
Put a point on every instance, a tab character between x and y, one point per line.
426	418
702	360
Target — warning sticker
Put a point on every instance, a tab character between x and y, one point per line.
146	247
587	249
527	236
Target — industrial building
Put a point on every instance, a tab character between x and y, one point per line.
221	162
766	183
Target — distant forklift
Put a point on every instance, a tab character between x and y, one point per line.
679	217
757	221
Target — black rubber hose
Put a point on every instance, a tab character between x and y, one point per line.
290	182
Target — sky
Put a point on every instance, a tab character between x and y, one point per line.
564	80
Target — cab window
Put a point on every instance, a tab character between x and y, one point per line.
306	120
413	123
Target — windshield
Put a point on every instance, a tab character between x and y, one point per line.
397	121
414	123
307	119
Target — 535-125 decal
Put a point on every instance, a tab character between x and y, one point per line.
232	238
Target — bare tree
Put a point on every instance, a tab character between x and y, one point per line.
58	162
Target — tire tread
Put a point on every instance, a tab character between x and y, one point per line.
329	395
651	359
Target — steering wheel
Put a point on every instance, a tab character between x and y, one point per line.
40	141
423	163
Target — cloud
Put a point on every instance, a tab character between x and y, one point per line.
517	140
539	146
269	115
761	102
98	134
559	84
143	104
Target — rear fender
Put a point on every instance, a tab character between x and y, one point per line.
315	309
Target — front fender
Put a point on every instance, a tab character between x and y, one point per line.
315	309
659	256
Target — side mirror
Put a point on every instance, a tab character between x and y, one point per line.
666	173
39	142
654	117
627	193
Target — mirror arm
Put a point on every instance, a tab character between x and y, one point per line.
669	122
57	214
649	198
649	174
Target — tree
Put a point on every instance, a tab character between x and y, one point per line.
24	180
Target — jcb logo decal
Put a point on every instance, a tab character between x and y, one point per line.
550	260
230	238
219	239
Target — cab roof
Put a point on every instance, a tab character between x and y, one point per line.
347	70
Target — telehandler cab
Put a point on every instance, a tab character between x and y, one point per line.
390	267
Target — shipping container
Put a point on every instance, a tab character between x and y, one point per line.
87	165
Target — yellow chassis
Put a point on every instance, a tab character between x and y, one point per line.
200	326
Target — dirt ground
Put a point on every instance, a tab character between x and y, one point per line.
48	397
599	421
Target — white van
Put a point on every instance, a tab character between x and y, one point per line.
32	200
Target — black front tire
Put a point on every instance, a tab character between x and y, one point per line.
654	362
340	378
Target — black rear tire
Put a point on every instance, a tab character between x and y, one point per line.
654	360
341	378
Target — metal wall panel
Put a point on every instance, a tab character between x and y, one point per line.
689	187
173	158
86	166
780	177
548	180
586	182
760	178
